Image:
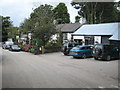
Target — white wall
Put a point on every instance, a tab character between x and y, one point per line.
78	37
98	39
54	37
74	37
118	31
69	36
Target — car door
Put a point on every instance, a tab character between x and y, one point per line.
84	51
89	50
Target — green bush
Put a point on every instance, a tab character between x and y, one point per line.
22	47
31	50
53	44
48	44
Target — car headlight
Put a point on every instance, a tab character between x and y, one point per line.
93	51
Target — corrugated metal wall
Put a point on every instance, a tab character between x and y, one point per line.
105	40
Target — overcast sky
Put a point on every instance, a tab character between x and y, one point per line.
18	10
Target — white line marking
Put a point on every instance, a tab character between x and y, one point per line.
114	86
100	87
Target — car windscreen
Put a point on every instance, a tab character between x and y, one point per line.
15	46
98	46
70	45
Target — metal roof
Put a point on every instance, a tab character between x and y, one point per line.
68	28
116	34
110	29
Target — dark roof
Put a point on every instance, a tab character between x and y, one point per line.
68	28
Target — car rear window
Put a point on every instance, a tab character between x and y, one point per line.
110	47
98	46
15	46
78	47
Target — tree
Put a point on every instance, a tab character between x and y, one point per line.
117	5
61	14
109	12
40	24
44	27
6	24
97	12
13	32
27	26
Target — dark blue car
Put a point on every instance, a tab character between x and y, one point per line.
81	51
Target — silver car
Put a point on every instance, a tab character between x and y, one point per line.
14	48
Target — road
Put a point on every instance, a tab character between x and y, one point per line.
54	70
0	68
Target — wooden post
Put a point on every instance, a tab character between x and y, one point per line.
43	49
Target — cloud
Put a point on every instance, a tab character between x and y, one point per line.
18	10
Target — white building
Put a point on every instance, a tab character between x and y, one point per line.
68	29
104	33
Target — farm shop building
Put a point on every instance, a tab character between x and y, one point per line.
105	33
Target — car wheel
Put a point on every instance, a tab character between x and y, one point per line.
74	57
108	58
3	47
95	58
84	56
98	51
10	49
65	53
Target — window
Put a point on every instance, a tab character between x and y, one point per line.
89	47
115	49
83	48
65	36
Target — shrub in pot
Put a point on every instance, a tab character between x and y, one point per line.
22	47
27	47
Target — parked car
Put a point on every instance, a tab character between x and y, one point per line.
14	48
82	51
7	44
1	43
106	52
67	47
